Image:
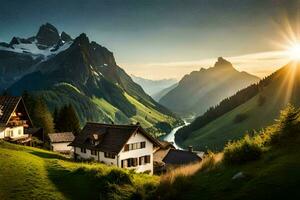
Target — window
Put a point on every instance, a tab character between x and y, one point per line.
130	162
11	133
19	131
144	160
83	150
133	146
126	148
109	155
94	152
141	160
147	159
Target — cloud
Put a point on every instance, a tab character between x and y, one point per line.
260	64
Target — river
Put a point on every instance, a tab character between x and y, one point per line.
171	136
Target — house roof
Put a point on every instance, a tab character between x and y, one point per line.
108	137
61	137
180	157
166	144
7	106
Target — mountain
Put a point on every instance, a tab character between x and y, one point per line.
251	108
199	90
152	87
158	95
82	72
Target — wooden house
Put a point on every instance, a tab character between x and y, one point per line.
125	146
14	119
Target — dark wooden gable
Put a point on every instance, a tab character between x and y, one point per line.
13	112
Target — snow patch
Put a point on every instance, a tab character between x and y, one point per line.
34	51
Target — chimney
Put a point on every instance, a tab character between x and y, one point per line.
190	148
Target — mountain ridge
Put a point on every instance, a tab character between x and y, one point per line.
199	90
259	105
85	74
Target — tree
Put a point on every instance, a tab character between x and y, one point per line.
67	120
287	121
55	118
42	117
38	112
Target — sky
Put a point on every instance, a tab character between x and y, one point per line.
166	38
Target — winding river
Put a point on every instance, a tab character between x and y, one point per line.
171	136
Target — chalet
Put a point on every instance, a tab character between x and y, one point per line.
60	142
125	146
14	119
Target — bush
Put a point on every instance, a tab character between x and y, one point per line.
119	177
243	150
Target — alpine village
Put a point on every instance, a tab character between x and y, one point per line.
74	124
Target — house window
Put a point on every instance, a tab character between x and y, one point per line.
83	150
141	160
143	145
19	131
126	148
94	152
144	160
134	146
109	155
147	159
11	133
130	162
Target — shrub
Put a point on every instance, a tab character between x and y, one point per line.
243	150
119	177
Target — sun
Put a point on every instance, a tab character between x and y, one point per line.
294	52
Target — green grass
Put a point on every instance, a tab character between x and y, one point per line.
215	134
30	173
269	162
275	176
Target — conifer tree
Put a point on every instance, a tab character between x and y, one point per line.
38	112
67	120
41	116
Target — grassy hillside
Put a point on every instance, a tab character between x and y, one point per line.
253	114
30	173
98	109
272	174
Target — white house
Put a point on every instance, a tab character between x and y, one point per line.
125	146
60	142
13	119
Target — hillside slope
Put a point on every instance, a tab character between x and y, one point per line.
202	89
255	113
81	72
30	173
262	166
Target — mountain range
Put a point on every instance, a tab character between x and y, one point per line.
82	72
154	87
200	90
249	109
